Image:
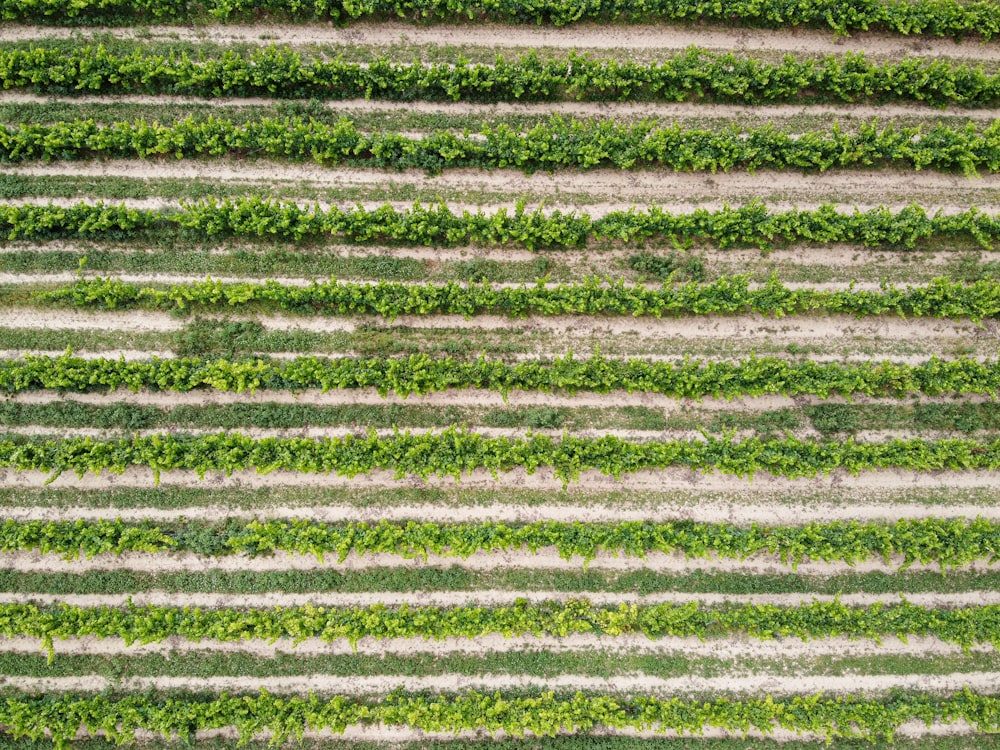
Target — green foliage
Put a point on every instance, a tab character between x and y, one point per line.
456	452
931	17
693	75
948	542
558	143
967	627
942	297
422	374
752	225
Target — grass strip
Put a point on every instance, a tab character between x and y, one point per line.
455	578
530	662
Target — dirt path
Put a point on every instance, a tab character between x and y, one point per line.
501	598
723	648
613	110
743	327
473	398
764	500
758	684
576	36
751	504
546	558
593	210
647	186
381	734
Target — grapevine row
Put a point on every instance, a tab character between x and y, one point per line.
966	627
544	714
693	75
752	225
930	17
948	542
455	452
557	143
942	298
422	374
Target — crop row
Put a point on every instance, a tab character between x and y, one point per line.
753	225
421	374
455	452
693	75
557	143
544	714
966	627
931	17
948	542
942	298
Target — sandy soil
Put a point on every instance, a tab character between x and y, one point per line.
616	110
593	210
577	36
543	479
774	684
725	648
643	186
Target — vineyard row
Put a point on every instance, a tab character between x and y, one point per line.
910	17
455	452
555	144
948	542
693	75
422	374
942	298
966	626
753	225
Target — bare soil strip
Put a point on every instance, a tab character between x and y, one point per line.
398	735
545	559
612	110
745	327
487	599
473	398
544	479
752	504
594	210
68	277
541	480
651	185
726	648
575	37
706	352
759	684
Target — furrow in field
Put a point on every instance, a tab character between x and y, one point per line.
728	648
488	599
836	255
704	349
759	684
743	328
547	558
513	433
593	210
394	735
752	504
586	36
472	398
642	186
162	279
542	479
611	109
